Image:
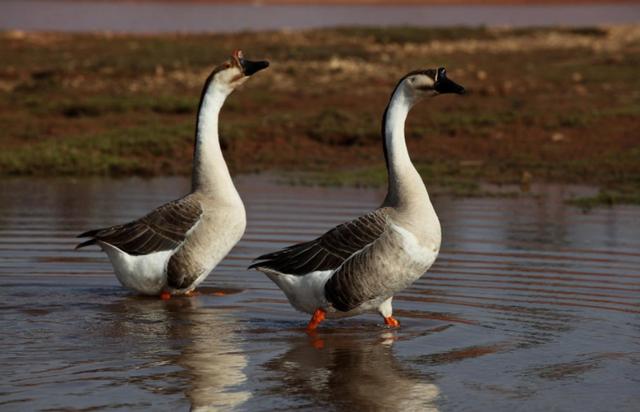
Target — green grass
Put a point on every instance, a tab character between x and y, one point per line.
440	177
410	34
629	195
341	128
92	104
112	153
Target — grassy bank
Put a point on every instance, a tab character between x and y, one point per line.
559	105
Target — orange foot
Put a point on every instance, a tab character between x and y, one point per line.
317	343
219	293
318	316
391	321
165	295
191	293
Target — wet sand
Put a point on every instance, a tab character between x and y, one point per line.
532	305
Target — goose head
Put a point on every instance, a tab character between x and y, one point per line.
234	72
427	83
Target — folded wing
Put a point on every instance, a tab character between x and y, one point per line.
330	250
163	229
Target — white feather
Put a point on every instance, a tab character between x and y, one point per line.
306	293
423	255
145	273
385	308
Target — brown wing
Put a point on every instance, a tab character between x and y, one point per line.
163	229
328	251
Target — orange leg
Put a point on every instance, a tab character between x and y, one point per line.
391	321
165	295
318	316
317	342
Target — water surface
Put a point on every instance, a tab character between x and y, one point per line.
145	17
532	305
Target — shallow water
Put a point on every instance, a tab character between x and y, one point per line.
532	305
145	17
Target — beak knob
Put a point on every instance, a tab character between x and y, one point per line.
445	85
249	67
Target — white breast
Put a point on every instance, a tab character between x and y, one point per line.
422	255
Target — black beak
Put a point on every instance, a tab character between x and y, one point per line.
444	85
250	67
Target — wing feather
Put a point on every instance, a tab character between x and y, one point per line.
163	229
330	250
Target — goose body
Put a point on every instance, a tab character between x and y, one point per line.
172	249
146	261
360	265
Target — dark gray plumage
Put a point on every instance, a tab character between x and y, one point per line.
328	251
365	275
162	229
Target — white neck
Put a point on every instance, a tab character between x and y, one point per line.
210	173
406	188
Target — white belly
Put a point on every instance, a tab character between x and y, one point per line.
305	293
145	274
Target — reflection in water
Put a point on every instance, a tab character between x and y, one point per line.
535	305
214	361
338	371
206	346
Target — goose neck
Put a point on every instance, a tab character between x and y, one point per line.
210	172
405	184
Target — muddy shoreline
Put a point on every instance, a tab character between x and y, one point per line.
544	105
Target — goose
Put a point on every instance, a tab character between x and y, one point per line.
358	266
352	369
171	250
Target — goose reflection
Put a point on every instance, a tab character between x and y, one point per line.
350	373
202	340
213	360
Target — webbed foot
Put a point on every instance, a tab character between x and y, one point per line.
391	322
318	316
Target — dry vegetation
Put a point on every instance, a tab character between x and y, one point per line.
547	104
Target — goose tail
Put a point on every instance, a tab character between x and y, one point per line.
90	233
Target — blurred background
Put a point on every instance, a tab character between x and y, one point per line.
532	304
110	88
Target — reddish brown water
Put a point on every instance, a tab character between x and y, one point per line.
532	305
171	16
